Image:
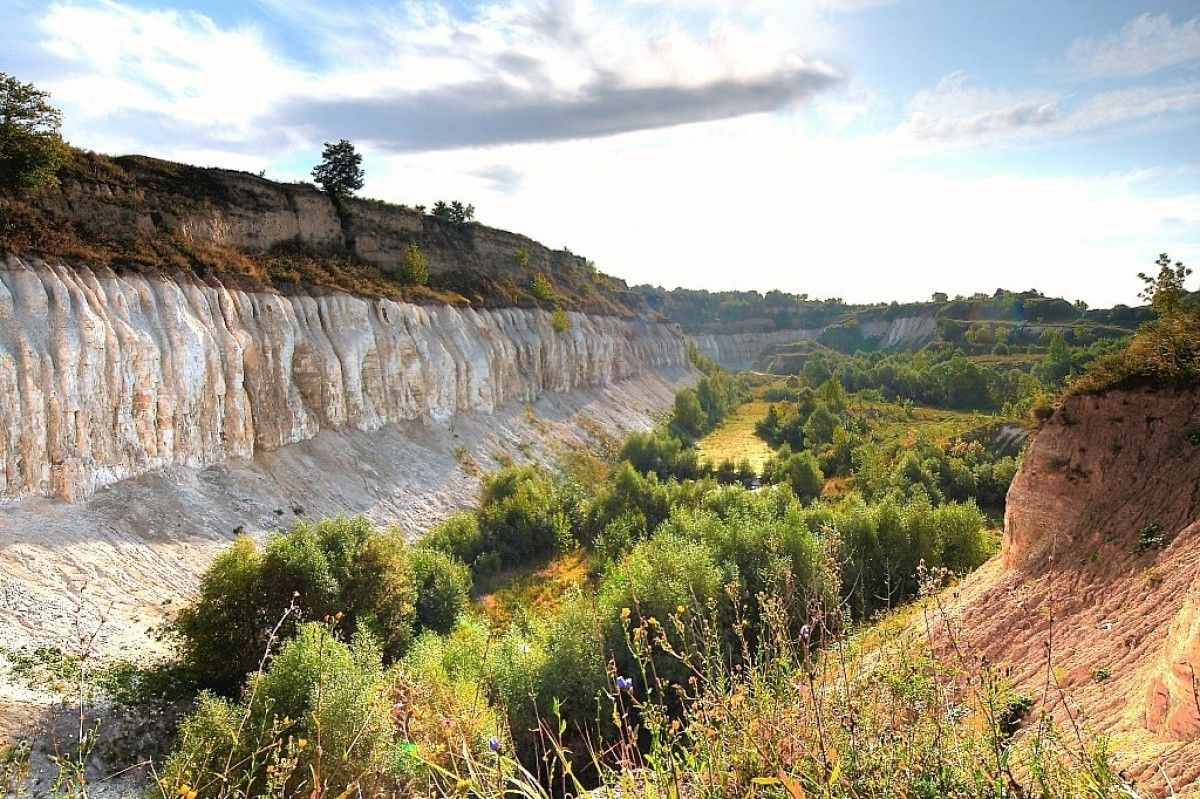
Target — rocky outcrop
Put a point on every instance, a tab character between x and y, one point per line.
138	197
741	350
901	332
104	376
1098	581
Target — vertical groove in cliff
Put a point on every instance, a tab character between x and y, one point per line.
104	375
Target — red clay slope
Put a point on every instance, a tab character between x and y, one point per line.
1073	578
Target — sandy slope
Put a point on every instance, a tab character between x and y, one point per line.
1071	586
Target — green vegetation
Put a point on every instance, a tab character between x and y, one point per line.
414	269
344	569
647	622
559	320
666	575
975	324
542	288
1165	352
31	147
339	172
454	211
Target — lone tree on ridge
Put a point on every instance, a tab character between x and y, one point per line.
31	147
339	173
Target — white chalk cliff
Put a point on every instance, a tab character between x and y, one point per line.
104	376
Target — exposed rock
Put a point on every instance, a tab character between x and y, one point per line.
741	350
106	376
1092	603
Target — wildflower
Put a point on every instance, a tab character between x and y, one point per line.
624	683
463	786
624	614
303	742
183	789
680	609
806	632
653	622
494	743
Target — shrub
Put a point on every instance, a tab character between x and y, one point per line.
223	632
688	419
559	320
382	594
542	288
525	516
804	476
337	566
660	453
443	589
316	688
414	268
659	577
458	536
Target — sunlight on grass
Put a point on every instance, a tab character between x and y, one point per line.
736	440
539	590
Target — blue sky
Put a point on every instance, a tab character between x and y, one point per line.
867	149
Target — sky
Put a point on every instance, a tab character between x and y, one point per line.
865	149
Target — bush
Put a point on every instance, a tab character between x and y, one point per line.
660	453
337	566
688	419
542	288
414	268
559	321
458	537
799	471
382	594
224	631
525	516
443	589
316	688
659	577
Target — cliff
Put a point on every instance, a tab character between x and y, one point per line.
1094	595
744	350
105	376
138	213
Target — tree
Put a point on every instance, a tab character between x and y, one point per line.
454	211
1164	291
689	421
339	172
804	476
31	148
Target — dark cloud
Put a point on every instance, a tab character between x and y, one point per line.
480	114
502	178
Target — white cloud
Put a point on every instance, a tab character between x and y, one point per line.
783	200
592	70
953	113
952	110
822	215
1146	44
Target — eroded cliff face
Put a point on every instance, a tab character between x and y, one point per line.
106	376
1098	579
742	350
